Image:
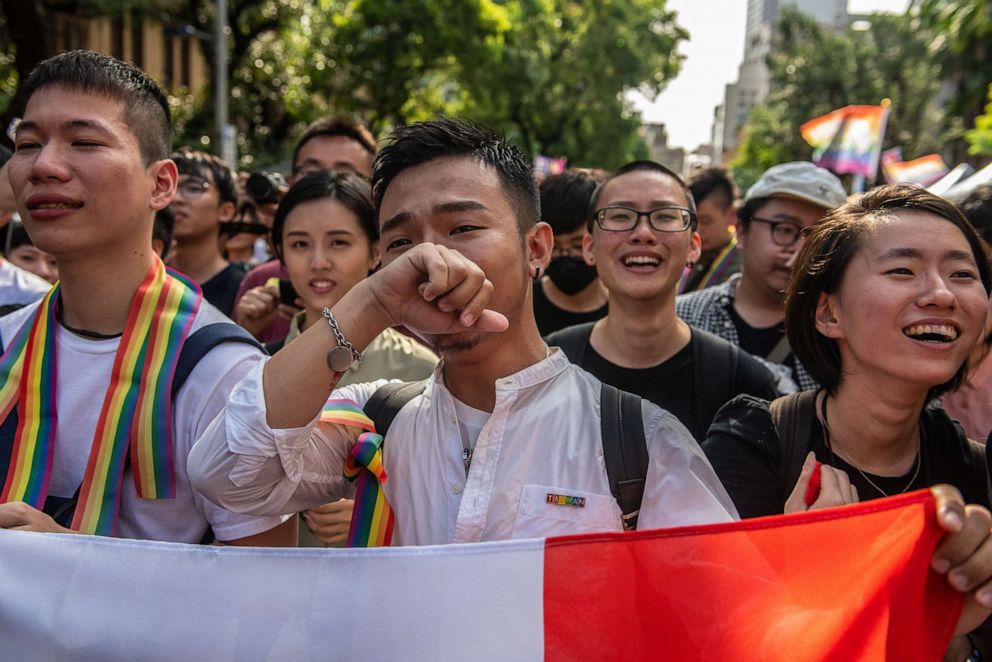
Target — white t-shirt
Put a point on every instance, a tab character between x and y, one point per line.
542	441
19	287
83	375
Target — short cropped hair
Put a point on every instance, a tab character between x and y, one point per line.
196	163
831	245
414	145
146	108
642	166
977	207
336	126
351	190
565	200
713	184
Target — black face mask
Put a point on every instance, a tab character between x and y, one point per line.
571	274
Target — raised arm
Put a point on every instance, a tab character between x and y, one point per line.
263	455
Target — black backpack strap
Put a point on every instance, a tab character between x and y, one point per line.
792	416
387	401
625	450
716	362
200	342
573	340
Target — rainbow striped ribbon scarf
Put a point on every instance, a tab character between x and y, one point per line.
136	417
372	519
714	275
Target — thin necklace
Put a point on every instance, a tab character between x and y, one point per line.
467	449
86	333
917	461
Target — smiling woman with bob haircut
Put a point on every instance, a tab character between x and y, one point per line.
887	298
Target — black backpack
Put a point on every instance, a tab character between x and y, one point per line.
625	449
716	362
792	417
197	345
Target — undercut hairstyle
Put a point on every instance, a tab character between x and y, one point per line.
565	200
977	207
713	184
747	211
17	236
642	166
414	145
194	163
336	126
351	190
831	245
146	107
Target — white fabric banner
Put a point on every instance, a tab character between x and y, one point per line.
74	597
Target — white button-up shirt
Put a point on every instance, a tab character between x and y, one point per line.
543	438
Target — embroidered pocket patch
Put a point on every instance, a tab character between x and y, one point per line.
566	500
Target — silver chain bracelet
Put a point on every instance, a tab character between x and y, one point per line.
343	355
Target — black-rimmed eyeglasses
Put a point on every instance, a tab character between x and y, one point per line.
661	219
784	233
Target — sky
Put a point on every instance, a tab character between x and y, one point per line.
712	55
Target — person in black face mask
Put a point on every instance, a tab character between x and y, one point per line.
570	291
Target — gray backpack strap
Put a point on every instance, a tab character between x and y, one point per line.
387	401
792	416
625	450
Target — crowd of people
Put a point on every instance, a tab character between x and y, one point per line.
736	340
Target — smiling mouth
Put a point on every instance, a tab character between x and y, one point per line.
932	333
641	261
56	205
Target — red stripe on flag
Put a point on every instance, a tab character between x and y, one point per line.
851	583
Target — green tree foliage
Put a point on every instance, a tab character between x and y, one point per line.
962	44
815	70
556	85
980	138
551	74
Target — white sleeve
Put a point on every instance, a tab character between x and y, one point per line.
202	399
243	465
681	488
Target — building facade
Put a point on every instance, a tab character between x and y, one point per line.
753	78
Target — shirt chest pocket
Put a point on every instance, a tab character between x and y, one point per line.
552	511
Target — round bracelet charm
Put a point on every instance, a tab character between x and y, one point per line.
339	359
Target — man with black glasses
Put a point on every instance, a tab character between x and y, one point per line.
641	237
749	309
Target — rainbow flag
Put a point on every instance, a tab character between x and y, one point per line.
923	171
847	140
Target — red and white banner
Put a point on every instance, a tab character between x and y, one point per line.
845	584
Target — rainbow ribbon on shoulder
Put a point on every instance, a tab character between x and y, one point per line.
135	424
372	519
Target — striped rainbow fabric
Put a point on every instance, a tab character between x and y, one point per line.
372	519
847	140
136	414
27	374
923	171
